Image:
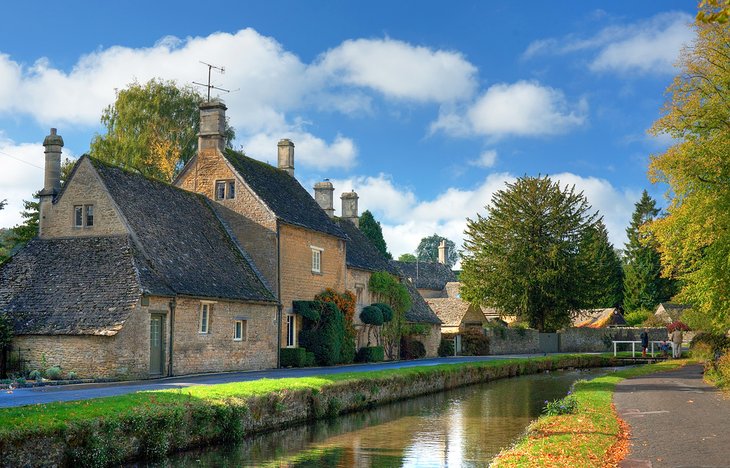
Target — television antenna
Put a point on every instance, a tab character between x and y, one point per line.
209	86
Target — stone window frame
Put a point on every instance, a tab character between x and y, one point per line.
240	334
206	310
317	259
291	330
83	216
225	189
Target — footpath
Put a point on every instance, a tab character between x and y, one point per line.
676	420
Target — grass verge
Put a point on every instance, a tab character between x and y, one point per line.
150	424
592	436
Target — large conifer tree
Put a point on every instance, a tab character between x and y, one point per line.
603	268
372	230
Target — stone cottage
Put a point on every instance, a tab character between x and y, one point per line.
299	250
363	259
134	278
456	314
430	278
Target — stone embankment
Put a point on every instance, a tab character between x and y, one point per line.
170	421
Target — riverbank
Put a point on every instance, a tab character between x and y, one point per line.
152	424
594	435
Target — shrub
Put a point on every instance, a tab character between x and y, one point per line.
310	310
678	325
293	357
446	347
411	348
72	375
53	373
722	367
346	303
325	337
371	315
705	346
636	318
386	310
35	375
474	343
309	359
370	354
653	321
567	405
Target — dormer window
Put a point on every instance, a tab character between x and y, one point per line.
225	189
83	216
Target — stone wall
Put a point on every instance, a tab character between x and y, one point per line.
595	340
432	340
216	351
512	341
85	188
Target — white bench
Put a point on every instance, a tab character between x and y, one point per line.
634	343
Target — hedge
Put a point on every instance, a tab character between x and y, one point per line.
371	354
386	310
296	357
325	337
371	315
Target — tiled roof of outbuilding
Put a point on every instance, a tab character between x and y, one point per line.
361	253
182	238
427	275
283	194
86	285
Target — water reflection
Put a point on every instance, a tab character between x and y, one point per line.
458	428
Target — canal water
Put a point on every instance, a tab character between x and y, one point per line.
465	427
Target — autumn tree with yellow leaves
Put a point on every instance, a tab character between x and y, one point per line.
694	237
152	128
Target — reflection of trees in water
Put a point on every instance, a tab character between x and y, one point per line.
459	427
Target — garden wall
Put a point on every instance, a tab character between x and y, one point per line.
512	341
598	340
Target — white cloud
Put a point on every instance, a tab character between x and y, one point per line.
649	46
309	150
525	108
487	159
401	70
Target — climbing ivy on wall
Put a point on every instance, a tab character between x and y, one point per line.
391	292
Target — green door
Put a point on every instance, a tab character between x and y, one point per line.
157	350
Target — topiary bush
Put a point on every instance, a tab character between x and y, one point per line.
324	337
411	348
386	310
372	315
370	354
310	310
292	357
474	343
446	347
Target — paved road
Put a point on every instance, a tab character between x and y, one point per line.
29	396
676	420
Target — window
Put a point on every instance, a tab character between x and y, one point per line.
316	260
204	318
83	216
225	189
291	331
239	332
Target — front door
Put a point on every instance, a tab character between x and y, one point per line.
157	350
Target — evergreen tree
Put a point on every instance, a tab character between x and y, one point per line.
428	250
407	258
603	269
644	287
524	258
372	230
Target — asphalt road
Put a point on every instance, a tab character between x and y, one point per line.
676	420
49	394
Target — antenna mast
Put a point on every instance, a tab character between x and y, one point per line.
209	86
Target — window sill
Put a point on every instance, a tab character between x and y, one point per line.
318	273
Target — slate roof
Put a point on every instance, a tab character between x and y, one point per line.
427	275
85	285
283	194
419	312
90	285
670	311
361	253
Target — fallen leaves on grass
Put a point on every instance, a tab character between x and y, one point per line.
620	449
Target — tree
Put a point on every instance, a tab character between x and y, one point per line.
152	128
524	257
714	11
407	258
390	291
373	231
602	268
428	250
694	237
644	287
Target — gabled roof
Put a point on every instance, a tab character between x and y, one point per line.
427	275
283	194
361	253
419	312
90	285
598	318
450	310
672	311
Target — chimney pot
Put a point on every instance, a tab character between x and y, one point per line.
286	155
51	177
212	126
349	207
442	252
323	194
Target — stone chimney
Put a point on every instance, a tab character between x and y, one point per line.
323	193
349	207
51	178
212	126
286	156
442	252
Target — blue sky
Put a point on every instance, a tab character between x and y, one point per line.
424	108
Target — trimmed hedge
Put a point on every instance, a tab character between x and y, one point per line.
310	310
386	310
371	315
296	357
411	348
371	354
325	337
474	343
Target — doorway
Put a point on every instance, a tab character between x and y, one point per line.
157	348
